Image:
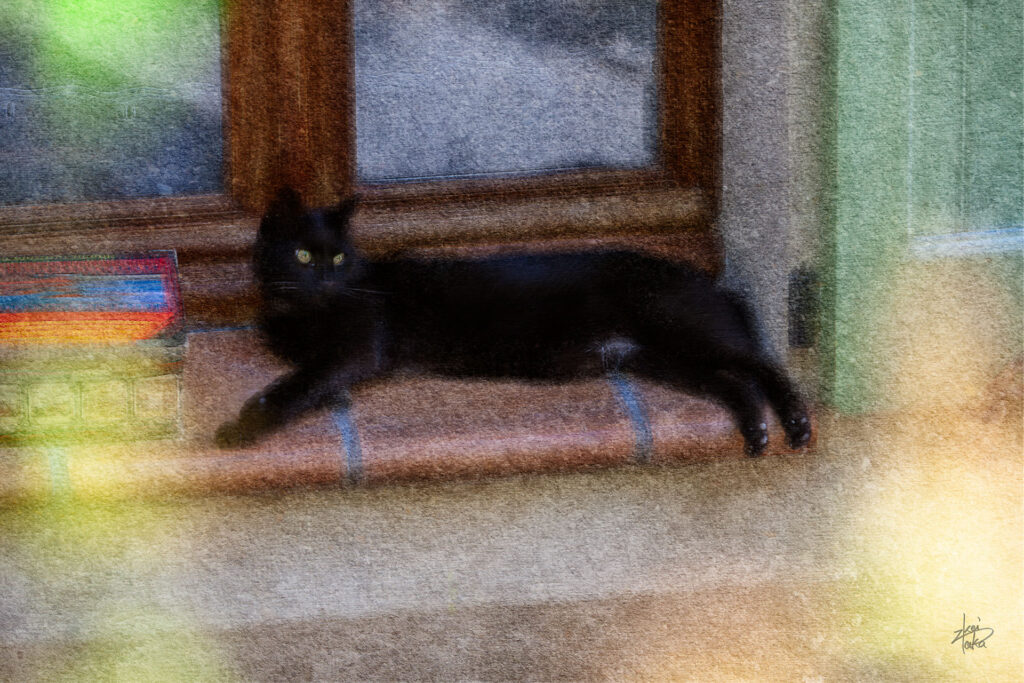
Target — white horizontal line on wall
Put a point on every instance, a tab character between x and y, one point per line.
999	240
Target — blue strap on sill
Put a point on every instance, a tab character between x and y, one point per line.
629	396
353	455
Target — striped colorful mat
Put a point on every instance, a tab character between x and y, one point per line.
89	299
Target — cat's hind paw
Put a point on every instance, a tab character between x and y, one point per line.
756	439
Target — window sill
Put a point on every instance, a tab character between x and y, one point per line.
659	216
398	430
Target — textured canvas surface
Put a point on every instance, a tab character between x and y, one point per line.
893	553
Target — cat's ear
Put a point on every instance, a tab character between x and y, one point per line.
347	206
283	209
343	211
286	204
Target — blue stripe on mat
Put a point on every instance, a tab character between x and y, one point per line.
60	478
629	396
350	442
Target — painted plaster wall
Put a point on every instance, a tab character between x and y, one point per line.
775	143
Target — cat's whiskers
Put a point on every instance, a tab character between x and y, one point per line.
363	291
283	286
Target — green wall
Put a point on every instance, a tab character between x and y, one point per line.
929	140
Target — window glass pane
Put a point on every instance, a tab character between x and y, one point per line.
108	99
464	87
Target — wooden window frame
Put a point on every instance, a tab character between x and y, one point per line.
289	112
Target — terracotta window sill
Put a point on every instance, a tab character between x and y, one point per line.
399	430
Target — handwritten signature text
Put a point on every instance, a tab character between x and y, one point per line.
972	636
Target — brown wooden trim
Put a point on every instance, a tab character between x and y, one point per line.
691	132
290	99
213	225
384	228
247	53
221	233
115	213
558	184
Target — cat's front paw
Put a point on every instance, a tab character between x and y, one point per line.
257	418
232	435
798	430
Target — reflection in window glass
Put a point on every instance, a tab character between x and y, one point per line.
109	99
464	87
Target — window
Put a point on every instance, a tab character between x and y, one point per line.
451	88
289	69
106	100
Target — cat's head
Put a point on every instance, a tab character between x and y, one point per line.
304	256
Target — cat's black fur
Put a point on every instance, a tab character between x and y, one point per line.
548	317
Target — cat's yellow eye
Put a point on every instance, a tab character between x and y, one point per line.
303	256
338	258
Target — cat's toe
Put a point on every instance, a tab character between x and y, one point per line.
798	431
230	435
756	438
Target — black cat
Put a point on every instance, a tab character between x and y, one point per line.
340	319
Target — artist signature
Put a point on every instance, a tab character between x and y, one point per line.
972	636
